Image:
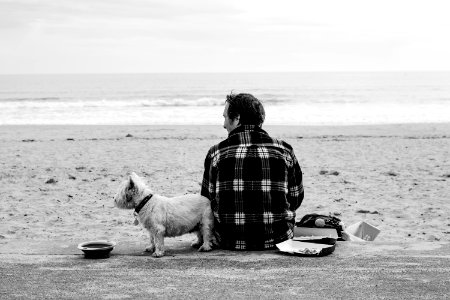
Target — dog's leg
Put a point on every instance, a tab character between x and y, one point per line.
206	229
151	247
215	240
199	240
159	241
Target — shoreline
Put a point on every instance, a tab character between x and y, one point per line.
392	176
213	131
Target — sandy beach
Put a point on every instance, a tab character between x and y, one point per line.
57	182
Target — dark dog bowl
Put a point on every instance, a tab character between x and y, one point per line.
97	249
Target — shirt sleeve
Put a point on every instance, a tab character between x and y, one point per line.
209	179
295	184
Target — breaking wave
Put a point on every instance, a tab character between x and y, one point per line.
54	102
23	103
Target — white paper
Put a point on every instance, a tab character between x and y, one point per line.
297	247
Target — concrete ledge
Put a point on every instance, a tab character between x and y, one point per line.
181	246
354	271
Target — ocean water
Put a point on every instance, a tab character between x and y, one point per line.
192	98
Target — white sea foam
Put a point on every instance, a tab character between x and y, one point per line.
289	98
103	103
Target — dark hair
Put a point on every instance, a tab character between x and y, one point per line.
249	109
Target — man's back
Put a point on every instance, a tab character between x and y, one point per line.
254	183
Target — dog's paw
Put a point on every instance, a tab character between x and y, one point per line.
205	247
196	245
158	253
150	249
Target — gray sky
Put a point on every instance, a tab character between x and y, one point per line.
115	36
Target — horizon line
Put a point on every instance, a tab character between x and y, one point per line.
228	72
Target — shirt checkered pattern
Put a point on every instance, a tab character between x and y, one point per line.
255	185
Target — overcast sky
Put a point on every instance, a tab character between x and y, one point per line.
122	36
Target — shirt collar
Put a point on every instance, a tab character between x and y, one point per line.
244	128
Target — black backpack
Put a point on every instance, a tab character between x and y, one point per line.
309	220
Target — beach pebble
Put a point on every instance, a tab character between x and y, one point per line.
365	211
325	172
432	238
392	173
51	180
72	177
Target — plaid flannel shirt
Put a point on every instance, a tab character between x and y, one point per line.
255	185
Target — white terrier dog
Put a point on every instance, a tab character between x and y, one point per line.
163	216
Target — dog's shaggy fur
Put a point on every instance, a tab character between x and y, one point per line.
163	216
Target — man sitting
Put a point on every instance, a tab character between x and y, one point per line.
253	181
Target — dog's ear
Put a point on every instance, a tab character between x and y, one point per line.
131	183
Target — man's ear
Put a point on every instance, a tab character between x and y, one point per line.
238	119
